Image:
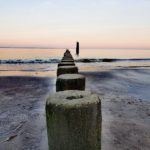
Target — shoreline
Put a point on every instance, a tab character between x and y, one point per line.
80	60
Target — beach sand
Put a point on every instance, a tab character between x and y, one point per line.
22	112
125	109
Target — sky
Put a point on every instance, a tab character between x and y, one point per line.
60	23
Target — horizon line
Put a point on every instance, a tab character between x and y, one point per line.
46	47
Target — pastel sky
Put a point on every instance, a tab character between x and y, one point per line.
60	23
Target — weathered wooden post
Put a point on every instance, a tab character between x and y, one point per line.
67	60
66	64
67	53
70	82
67	70
77	48
74	121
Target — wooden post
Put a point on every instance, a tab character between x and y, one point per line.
74	121
70	82
66	64
77	48
67	70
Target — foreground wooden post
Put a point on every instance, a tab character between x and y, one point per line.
70	82
67	70
74	121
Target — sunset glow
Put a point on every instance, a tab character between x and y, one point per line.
96	24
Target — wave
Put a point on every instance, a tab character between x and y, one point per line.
111	60
34	61
82	60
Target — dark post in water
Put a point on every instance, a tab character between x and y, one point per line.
77	48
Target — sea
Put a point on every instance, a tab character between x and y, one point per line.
43	61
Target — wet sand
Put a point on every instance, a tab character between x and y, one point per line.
125	109
22	112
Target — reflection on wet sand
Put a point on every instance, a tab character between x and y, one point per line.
27	73
47	70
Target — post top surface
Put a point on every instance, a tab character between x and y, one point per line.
73	98
66	67
70	76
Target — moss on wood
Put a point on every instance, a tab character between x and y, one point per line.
74	124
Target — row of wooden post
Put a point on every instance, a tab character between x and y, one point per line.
73	115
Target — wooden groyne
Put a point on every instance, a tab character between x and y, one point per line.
73	115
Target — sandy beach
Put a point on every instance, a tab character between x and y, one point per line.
125	109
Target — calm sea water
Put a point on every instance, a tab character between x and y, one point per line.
43	62
11	53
